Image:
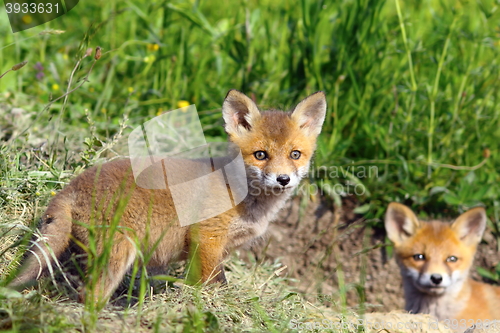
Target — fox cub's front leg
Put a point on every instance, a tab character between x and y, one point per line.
208	249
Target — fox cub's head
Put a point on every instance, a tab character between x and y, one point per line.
276	146
434	256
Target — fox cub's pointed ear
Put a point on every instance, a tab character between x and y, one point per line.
239	112
400	222
470	225
310	113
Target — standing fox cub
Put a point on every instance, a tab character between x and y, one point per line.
276	147
435	259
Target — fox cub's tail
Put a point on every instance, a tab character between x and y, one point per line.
55	228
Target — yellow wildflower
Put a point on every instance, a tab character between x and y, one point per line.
153	47
27	19
182	104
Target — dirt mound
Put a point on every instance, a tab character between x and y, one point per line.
400	322
324	249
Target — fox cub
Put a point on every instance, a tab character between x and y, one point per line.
276	147
435	258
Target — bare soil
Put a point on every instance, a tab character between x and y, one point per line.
325	246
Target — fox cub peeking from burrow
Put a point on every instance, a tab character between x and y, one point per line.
276	148
435	258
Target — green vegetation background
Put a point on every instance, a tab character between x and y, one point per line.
411	86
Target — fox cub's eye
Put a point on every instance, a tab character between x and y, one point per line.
418	257
452	259
260	155
295	155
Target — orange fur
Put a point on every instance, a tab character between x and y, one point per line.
435	259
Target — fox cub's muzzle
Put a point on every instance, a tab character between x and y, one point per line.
283	180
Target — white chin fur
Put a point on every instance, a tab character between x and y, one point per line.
424	283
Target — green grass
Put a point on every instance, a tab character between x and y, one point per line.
260	302
411	87
412	93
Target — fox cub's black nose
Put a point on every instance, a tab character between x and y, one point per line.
283	179
436	278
